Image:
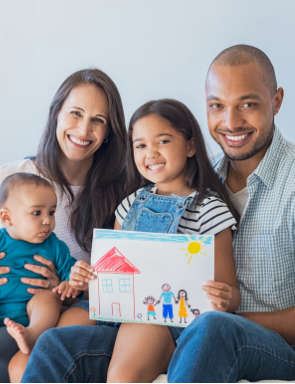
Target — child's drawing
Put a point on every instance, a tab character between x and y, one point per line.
183	302
151	302
196	312
144	277
116	288
167	297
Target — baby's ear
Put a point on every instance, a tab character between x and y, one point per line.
5	216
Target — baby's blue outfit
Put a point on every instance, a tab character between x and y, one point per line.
13	295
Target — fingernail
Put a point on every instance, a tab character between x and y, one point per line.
80	283
4	280
7	269
87	280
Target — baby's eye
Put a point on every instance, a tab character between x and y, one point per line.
37	213
164	141
51	213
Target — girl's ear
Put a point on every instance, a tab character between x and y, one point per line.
191	148
5	216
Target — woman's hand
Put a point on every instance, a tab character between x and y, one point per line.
3	270
220	295
81	274
49	272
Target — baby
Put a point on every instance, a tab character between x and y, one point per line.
27	207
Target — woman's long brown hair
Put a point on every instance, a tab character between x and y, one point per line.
200	175
105	181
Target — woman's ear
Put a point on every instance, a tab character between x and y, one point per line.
5	216
191	148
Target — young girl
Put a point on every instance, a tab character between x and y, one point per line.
176	191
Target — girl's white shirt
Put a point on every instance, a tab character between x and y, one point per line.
62	229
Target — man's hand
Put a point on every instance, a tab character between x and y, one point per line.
66	291
48	271
3	270
220	295
81	274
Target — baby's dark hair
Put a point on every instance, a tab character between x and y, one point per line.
200	175
17	180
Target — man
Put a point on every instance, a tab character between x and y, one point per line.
167	296
258	169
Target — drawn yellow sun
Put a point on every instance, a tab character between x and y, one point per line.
194	248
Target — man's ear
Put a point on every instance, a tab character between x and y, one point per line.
5	216
278	99
191	148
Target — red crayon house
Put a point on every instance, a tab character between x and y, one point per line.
116	290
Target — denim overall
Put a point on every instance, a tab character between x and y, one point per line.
157	214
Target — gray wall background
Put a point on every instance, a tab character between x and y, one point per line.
150	48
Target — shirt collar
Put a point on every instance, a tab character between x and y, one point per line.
267	168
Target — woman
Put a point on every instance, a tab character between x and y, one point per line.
82	153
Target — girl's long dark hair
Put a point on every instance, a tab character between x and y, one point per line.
200	175
104	188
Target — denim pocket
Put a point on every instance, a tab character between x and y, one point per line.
149	221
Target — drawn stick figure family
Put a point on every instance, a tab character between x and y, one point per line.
167	308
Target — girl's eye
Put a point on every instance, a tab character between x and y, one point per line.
37	213
51	213
140	146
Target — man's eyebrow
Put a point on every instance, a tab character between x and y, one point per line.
81	109
212	97
252	96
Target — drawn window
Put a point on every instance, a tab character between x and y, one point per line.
124	285
107	285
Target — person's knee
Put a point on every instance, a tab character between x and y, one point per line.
213	325
16	367
44	296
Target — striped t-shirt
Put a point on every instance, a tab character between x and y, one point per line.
210	217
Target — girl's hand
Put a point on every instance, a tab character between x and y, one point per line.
81	274
65	290
3	270
49	272
220	295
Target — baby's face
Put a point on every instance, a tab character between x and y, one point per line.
32	213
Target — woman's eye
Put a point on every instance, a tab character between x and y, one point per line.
76	113
98	120
37	213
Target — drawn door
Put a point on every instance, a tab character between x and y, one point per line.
116	310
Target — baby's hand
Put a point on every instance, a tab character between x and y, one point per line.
65	290
220	295
81	274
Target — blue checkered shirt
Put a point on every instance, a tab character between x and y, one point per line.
264	247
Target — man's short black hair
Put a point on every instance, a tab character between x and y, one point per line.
17	180
242	54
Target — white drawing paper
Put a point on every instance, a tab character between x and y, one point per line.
150	278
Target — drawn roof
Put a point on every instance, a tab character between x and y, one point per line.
114	261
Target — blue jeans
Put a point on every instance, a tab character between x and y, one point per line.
74	354
226	348
8	348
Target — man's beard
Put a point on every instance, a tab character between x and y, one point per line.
258	145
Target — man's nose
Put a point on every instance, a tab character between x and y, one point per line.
233	119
